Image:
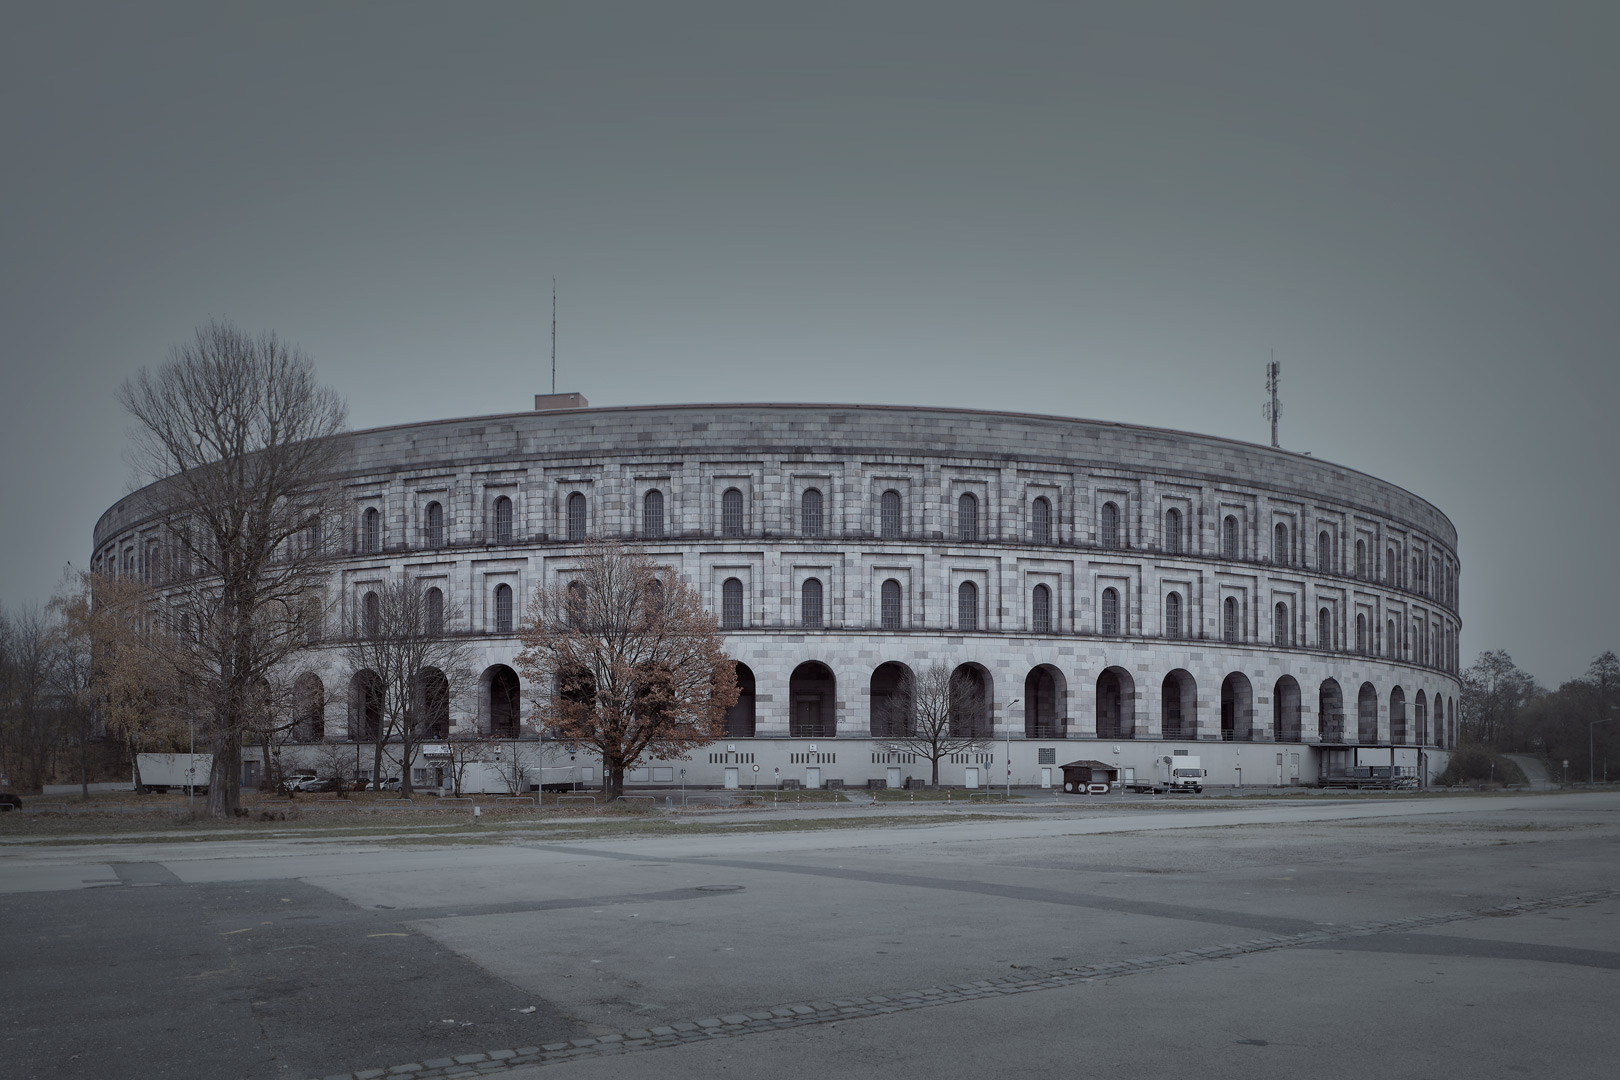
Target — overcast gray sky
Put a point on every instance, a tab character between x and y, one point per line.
1100	210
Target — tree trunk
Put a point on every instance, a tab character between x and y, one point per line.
612	779
225	778
84	766
936	772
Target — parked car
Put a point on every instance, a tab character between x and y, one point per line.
296	783
8	801
390	784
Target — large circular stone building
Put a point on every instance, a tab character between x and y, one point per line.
1112	593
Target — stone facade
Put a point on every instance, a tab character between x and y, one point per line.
1282	567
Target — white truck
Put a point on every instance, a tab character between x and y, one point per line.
1186	773
160	772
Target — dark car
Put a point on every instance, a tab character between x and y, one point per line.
8	801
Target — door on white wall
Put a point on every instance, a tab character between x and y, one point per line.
731	778
812	778
893	779
972	780
1046	778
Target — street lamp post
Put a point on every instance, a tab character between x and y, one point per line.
1591	746
1008	717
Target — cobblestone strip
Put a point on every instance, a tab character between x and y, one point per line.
800	1014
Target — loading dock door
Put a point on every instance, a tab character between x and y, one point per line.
731	778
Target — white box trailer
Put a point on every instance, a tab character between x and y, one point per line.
160	772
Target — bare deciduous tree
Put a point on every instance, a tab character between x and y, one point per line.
30	728
933	714
632	661
415	668
240	441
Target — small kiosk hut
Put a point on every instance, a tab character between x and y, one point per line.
1089	777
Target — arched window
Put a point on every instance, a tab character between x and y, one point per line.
1040	610
434	614
1324	551
309	708
810	603
371	615
889	615
1361	558
1281	549
1229	619
1229	537
371	540
967	518
1391	561
1040	520
576	516
740	717
731	513
1390	643
652	515
505	702
1361	632
967	606
1172	615
433	524
731	604
1324	629
1110	611
889	516
1279	625
810	512
1172	531
1110	525
503	520
503	609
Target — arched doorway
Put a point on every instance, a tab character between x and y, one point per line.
1330	712
740	717
1285	710
503	701
971	703
890	693
1420	719
1043	703
1178	706
433	704
365	706
1367	714
1237	708
1397	717
1116	704
812	697
309	708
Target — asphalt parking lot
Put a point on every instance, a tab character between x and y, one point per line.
1322	937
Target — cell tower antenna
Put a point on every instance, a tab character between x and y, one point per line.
554	348
1273	408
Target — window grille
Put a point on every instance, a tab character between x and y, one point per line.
1110	611
1041	610
967	518
503	520
371	615
810	512
1361	558
1172	615
1110	525
810	615
731	604
1229	619
433	525
1324	629
435	612
1172	531
576	516
1040	521
1229	537
652	515
1281	549
372	541
1279	625
731	513
967	606
889	515
1361	632
1324	551
503	609
889	616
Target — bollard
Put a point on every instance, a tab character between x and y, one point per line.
477	812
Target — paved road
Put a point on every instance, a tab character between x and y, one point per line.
1405	937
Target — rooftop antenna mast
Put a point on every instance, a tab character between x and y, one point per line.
1272	409
554	349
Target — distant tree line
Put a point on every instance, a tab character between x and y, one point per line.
1504	709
